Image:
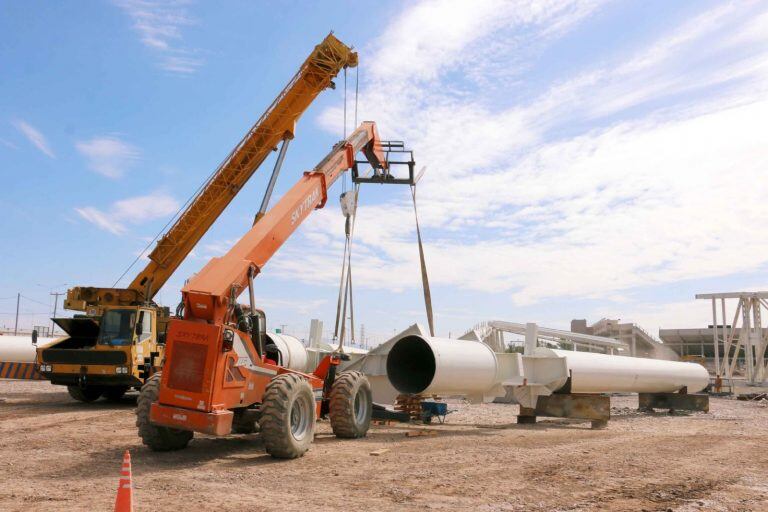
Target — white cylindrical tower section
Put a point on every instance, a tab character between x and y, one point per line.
19	349
603	373
292	351
420	364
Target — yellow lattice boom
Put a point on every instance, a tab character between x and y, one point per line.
275	125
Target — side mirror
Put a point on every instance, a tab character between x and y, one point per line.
140	324
34	336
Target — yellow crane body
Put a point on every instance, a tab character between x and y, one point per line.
120	341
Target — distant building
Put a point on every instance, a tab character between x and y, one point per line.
699	343
639	341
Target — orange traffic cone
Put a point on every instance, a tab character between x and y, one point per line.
124	500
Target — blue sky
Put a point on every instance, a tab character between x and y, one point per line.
585	158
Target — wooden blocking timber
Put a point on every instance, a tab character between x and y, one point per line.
420	433
673	401
596	408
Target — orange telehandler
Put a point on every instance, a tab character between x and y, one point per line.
120	340
219	375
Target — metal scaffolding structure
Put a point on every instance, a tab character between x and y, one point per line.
492	334
744	338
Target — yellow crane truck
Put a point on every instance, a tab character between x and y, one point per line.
118	340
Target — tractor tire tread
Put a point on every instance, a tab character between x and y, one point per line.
341	409
114	393
275	417
86	395
157	438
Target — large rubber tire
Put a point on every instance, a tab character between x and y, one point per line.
87	394
351	405
288	416
114	393
157	438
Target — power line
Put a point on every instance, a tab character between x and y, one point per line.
21	313
37	301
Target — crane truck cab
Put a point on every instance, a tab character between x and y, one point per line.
106	352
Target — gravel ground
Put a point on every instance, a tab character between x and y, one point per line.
57	454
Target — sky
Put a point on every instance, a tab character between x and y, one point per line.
584	158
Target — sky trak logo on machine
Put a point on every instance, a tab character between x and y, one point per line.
305	206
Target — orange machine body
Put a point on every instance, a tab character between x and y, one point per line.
205	381
212	367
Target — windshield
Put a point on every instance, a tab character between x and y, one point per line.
117	327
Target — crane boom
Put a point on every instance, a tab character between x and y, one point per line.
275	125
208	294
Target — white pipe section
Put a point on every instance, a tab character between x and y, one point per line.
19	349
420	364
602	373
292	350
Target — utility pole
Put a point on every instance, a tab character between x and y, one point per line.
55	307
16	325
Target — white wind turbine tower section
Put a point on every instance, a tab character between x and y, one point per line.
420	364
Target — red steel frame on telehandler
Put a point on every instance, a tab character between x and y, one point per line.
215	367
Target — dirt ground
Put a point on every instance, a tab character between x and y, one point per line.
57	454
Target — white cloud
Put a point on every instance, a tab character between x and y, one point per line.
108	155
217	247
134	210
8	144
434	35
34	136
159	24
302	307
145	208
626	199
417	59
180	62
100	219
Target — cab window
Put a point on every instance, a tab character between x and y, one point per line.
117	327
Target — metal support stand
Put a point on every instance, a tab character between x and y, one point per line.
596	408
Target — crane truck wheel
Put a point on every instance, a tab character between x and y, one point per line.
114	393
351	405
159	439
87	394
287	416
